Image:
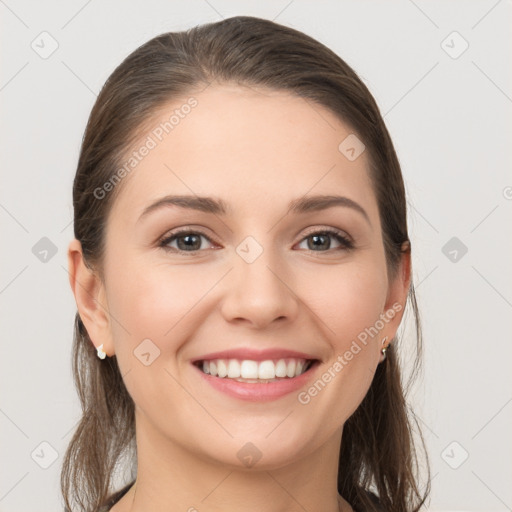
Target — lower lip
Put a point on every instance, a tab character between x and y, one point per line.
255	392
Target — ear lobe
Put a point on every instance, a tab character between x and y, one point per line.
89	292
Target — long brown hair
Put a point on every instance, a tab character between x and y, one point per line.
378	449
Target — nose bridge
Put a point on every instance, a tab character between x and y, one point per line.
257	289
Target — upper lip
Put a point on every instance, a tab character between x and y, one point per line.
254	355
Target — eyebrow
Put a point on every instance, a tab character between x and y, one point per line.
219	207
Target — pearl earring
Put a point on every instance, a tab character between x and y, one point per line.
101	354
384	347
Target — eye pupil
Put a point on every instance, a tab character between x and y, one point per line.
318	237
189	244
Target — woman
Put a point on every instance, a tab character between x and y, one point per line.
241	265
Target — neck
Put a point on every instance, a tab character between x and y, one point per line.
172	477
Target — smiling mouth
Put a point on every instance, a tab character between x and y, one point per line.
256	372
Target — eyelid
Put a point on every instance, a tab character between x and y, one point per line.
329	229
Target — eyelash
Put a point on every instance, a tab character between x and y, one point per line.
346	243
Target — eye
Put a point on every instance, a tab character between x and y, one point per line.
190	241
187	240
322	240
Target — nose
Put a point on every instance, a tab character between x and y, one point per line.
259	293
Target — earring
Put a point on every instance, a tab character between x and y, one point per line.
384	347
101	354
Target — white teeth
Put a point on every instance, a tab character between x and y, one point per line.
233	369
222	369
248	370
281	368
290	370
267	370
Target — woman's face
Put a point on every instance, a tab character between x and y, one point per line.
259	276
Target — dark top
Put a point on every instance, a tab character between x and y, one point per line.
114	498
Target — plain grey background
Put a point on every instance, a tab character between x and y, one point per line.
441	73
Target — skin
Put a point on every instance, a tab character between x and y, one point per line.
257	150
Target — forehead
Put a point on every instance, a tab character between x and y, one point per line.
250	146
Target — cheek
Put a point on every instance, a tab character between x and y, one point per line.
164	303
155	313
153	304
348	299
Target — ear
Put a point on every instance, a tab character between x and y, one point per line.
397	295
90	297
